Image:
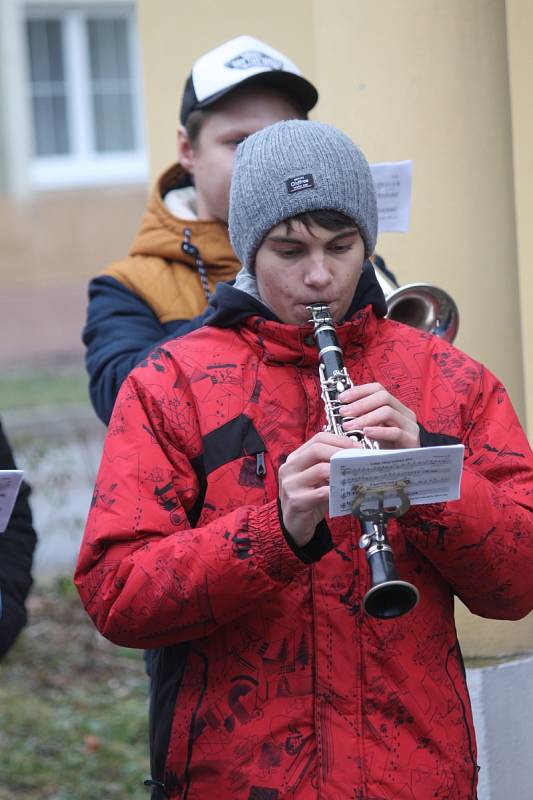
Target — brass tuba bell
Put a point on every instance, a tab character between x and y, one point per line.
420	305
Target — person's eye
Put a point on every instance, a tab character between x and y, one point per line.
344	247
288	252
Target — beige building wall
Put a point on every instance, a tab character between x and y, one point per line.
519	44
446	84
53	243
174	34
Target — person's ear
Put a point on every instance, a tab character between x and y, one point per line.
185	150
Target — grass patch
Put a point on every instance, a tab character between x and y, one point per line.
31	389
73	709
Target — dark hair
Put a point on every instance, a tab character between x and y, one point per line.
197	118
195	123
326	218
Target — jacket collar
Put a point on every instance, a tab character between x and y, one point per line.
278	344
162	234
281	343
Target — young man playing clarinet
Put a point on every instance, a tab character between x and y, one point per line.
209	536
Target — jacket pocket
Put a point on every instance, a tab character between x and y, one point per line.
236	439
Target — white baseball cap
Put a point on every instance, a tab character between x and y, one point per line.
242	61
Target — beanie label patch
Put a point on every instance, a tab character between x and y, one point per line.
299	183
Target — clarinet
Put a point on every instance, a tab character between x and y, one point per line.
388	596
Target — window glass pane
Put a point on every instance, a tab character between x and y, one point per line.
109	51
48	87
111	84
46	56
113	128
51	135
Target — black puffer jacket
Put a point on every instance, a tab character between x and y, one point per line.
17	544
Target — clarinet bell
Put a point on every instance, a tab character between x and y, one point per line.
390	599
389	596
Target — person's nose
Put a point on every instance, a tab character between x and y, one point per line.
317	273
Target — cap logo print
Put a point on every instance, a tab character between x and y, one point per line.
299	183
254	58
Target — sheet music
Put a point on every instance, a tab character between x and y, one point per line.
10	480
392	181
433	475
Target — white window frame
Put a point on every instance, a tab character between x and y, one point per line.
83	166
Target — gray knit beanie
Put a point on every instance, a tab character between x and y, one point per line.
293	167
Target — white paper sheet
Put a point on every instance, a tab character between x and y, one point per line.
10	480
433	475
392	180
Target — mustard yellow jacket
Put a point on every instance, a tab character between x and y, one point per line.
159	291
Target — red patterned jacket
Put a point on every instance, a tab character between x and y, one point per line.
270	681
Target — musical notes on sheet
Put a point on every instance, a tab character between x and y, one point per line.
432	475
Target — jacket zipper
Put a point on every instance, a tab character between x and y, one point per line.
260	468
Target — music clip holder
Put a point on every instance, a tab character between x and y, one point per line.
379	516
389	596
